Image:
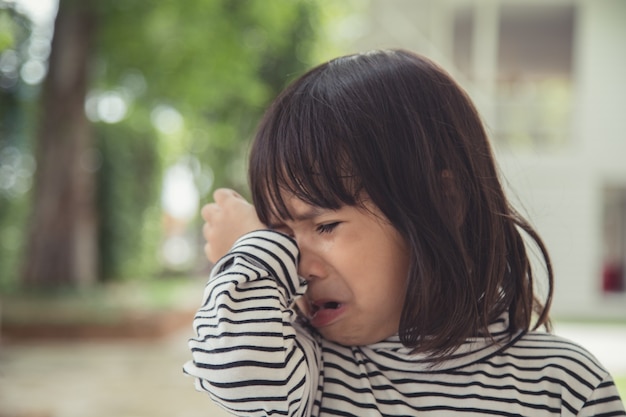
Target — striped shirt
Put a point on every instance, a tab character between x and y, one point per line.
255	358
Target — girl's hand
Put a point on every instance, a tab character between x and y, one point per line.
226	220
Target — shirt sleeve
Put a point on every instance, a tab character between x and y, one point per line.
248	353
604	401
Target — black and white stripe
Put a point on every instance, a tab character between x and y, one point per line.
254	358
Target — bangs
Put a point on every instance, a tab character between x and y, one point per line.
300	151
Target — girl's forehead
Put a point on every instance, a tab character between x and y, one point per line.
283	188
297	208
301	210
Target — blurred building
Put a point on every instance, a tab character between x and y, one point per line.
549	78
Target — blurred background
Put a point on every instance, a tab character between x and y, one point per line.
118	118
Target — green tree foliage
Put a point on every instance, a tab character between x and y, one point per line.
217	63
172	79
16	164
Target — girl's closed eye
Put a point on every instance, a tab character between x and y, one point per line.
327	227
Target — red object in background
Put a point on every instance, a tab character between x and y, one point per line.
613	277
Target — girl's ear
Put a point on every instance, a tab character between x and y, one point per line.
455	202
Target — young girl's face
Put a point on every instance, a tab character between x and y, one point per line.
356	265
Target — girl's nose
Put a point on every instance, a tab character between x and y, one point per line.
310	265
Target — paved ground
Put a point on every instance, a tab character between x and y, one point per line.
141	379
100	379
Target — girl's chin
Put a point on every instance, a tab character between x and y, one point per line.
341	339
338	334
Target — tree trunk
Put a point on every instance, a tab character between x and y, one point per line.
62	245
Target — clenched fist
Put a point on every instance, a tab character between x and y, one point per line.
228	218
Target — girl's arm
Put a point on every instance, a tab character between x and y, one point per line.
248	355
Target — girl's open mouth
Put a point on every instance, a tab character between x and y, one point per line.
323	313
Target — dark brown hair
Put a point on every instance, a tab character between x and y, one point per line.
394	126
